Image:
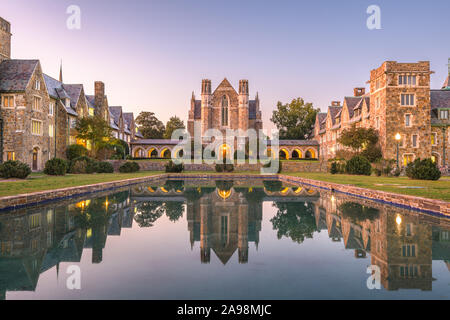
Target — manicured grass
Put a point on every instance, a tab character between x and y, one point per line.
430	189
41	182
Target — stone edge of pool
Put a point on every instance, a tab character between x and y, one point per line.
404	201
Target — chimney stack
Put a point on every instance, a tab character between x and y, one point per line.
206	86
99	93
359	92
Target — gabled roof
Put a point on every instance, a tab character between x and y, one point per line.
352	103
16	74
59	90
91	101
52	84
224	83
128	117
115	112
334	110
74	92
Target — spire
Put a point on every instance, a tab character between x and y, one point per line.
60	73
447	81
257	96
193	95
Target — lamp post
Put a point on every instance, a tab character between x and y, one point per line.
397	138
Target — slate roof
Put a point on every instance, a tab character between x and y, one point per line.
334	110
115	112
52	84
59	90
439	99
16	74
74	92
91	101
128	117
352	103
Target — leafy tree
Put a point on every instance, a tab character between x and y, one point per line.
359	138
174	210
294	220
148	213
173	124
96	130
294	120
150	126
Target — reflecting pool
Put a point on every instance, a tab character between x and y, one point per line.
234	239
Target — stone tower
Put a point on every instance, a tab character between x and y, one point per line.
400	103
206	105
243	105
5	40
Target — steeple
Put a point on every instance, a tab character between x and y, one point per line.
60	73
447	81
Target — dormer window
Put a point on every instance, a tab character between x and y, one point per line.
443	114
67	103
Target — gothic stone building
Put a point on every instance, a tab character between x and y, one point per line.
400	101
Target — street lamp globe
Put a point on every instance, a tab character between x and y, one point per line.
398	137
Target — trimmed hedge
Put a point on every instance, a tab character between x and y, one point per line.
359	165
424	169
104	167
129	167
56	167
14	169
82	165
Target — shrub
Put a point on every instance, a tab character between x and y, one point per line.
372	153
129	166
424	169
359	165
175	168
224	167
56	167
14	169
104	167
82	164
334	168
75	151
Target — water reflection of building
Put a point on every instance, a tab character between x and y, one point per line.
402	244
33	241
224	221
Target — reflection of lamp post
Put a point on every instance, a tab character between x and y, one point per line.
397	138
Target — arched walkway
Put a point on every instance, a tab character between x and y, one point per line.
152	153
296	154
165	153
284	154
139	153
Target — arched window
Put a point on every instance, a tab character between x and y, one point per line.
224	111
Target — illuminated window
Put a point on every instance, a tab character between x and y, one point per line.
433	138
8	102
50	130
10	155
35	221
36	127
91	112
407	159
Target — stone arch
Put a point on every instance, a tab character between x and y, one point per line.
36	158
296	154
284	154
310	154
139	152
152	152
165	153
436	158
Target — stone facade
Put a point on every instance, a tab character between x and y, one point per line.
5	40
400	101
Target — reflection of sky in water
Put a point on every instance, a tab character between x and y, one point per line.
158	263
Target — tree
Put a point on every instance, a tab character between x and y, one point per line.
150	126
294	220
96	130
294	120
358	138
173	124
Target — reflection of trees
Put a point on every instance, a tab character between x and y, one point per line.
94	214
224	185
175	185
174	210
148	213
294	220
357	212
273	185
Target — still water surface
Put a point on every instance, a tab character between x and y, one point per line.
203	239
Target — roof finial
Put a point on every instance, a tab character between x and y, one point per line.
60	72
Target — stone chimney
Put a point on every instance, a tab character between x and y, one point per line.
5	40
99	93
206	86
359	92
335	103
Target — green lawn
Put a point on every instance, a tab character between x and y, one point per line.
40	182
429	189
